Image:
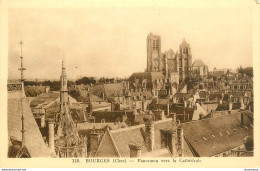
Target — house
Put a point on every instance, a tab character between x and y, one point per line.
136	141
218	137
229	135
151	81
199	67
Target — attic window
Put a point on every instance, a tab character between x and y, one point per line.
220	134
227	132
251	125
213	136
246	127
235	130
205	138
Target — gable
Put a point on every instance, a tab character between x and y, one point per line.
106	147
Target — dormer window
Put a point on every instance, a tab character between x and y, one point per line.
205	138
220	134
246	127
227	132
213	136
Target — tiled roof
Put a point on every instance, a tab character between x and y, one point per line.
99	126
198	63
180	113
45	97
135	135
33	91
113	89
113	116
209	137
225	106
203	94
33	139
214	96
149	76
92	97
183	95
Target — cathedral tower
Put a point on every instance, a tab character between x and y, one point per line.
154	60
185	60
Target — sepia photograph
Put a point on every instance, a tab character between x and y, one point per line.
145	82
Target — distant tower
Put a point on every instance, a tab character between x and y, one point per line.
185	60
154	60
64	89
68	143
63	100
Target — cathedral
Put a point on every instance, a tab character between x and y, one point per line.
175	66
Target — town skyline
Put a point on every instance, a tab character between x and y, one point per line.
96	49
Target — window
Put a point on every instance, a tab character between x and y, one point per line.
213	136
205	138
235	130
227	132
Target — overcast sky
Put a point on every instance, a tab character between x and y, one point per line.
112	41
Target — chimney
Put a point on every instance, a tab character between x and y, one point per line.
89	108
185	103
51	135
168	108
200	116
242	120
103	95
180	142
230	106
112	106
47	89
43	121
94	141
149	135
135	150
242	106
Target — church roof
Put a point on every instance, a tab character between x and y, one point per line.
198	63
33	138
184	44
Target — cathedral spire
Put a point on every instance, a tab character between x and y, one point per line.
22	68
23	130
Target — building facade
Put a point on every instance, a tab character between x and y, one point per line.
175	66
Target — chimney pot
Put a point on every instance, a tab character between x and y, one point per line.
51	135
135	150
149	135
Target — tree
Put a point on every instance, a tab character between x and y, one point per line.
86	80
248	71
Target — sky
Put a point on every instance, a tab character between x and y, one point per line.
111	41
